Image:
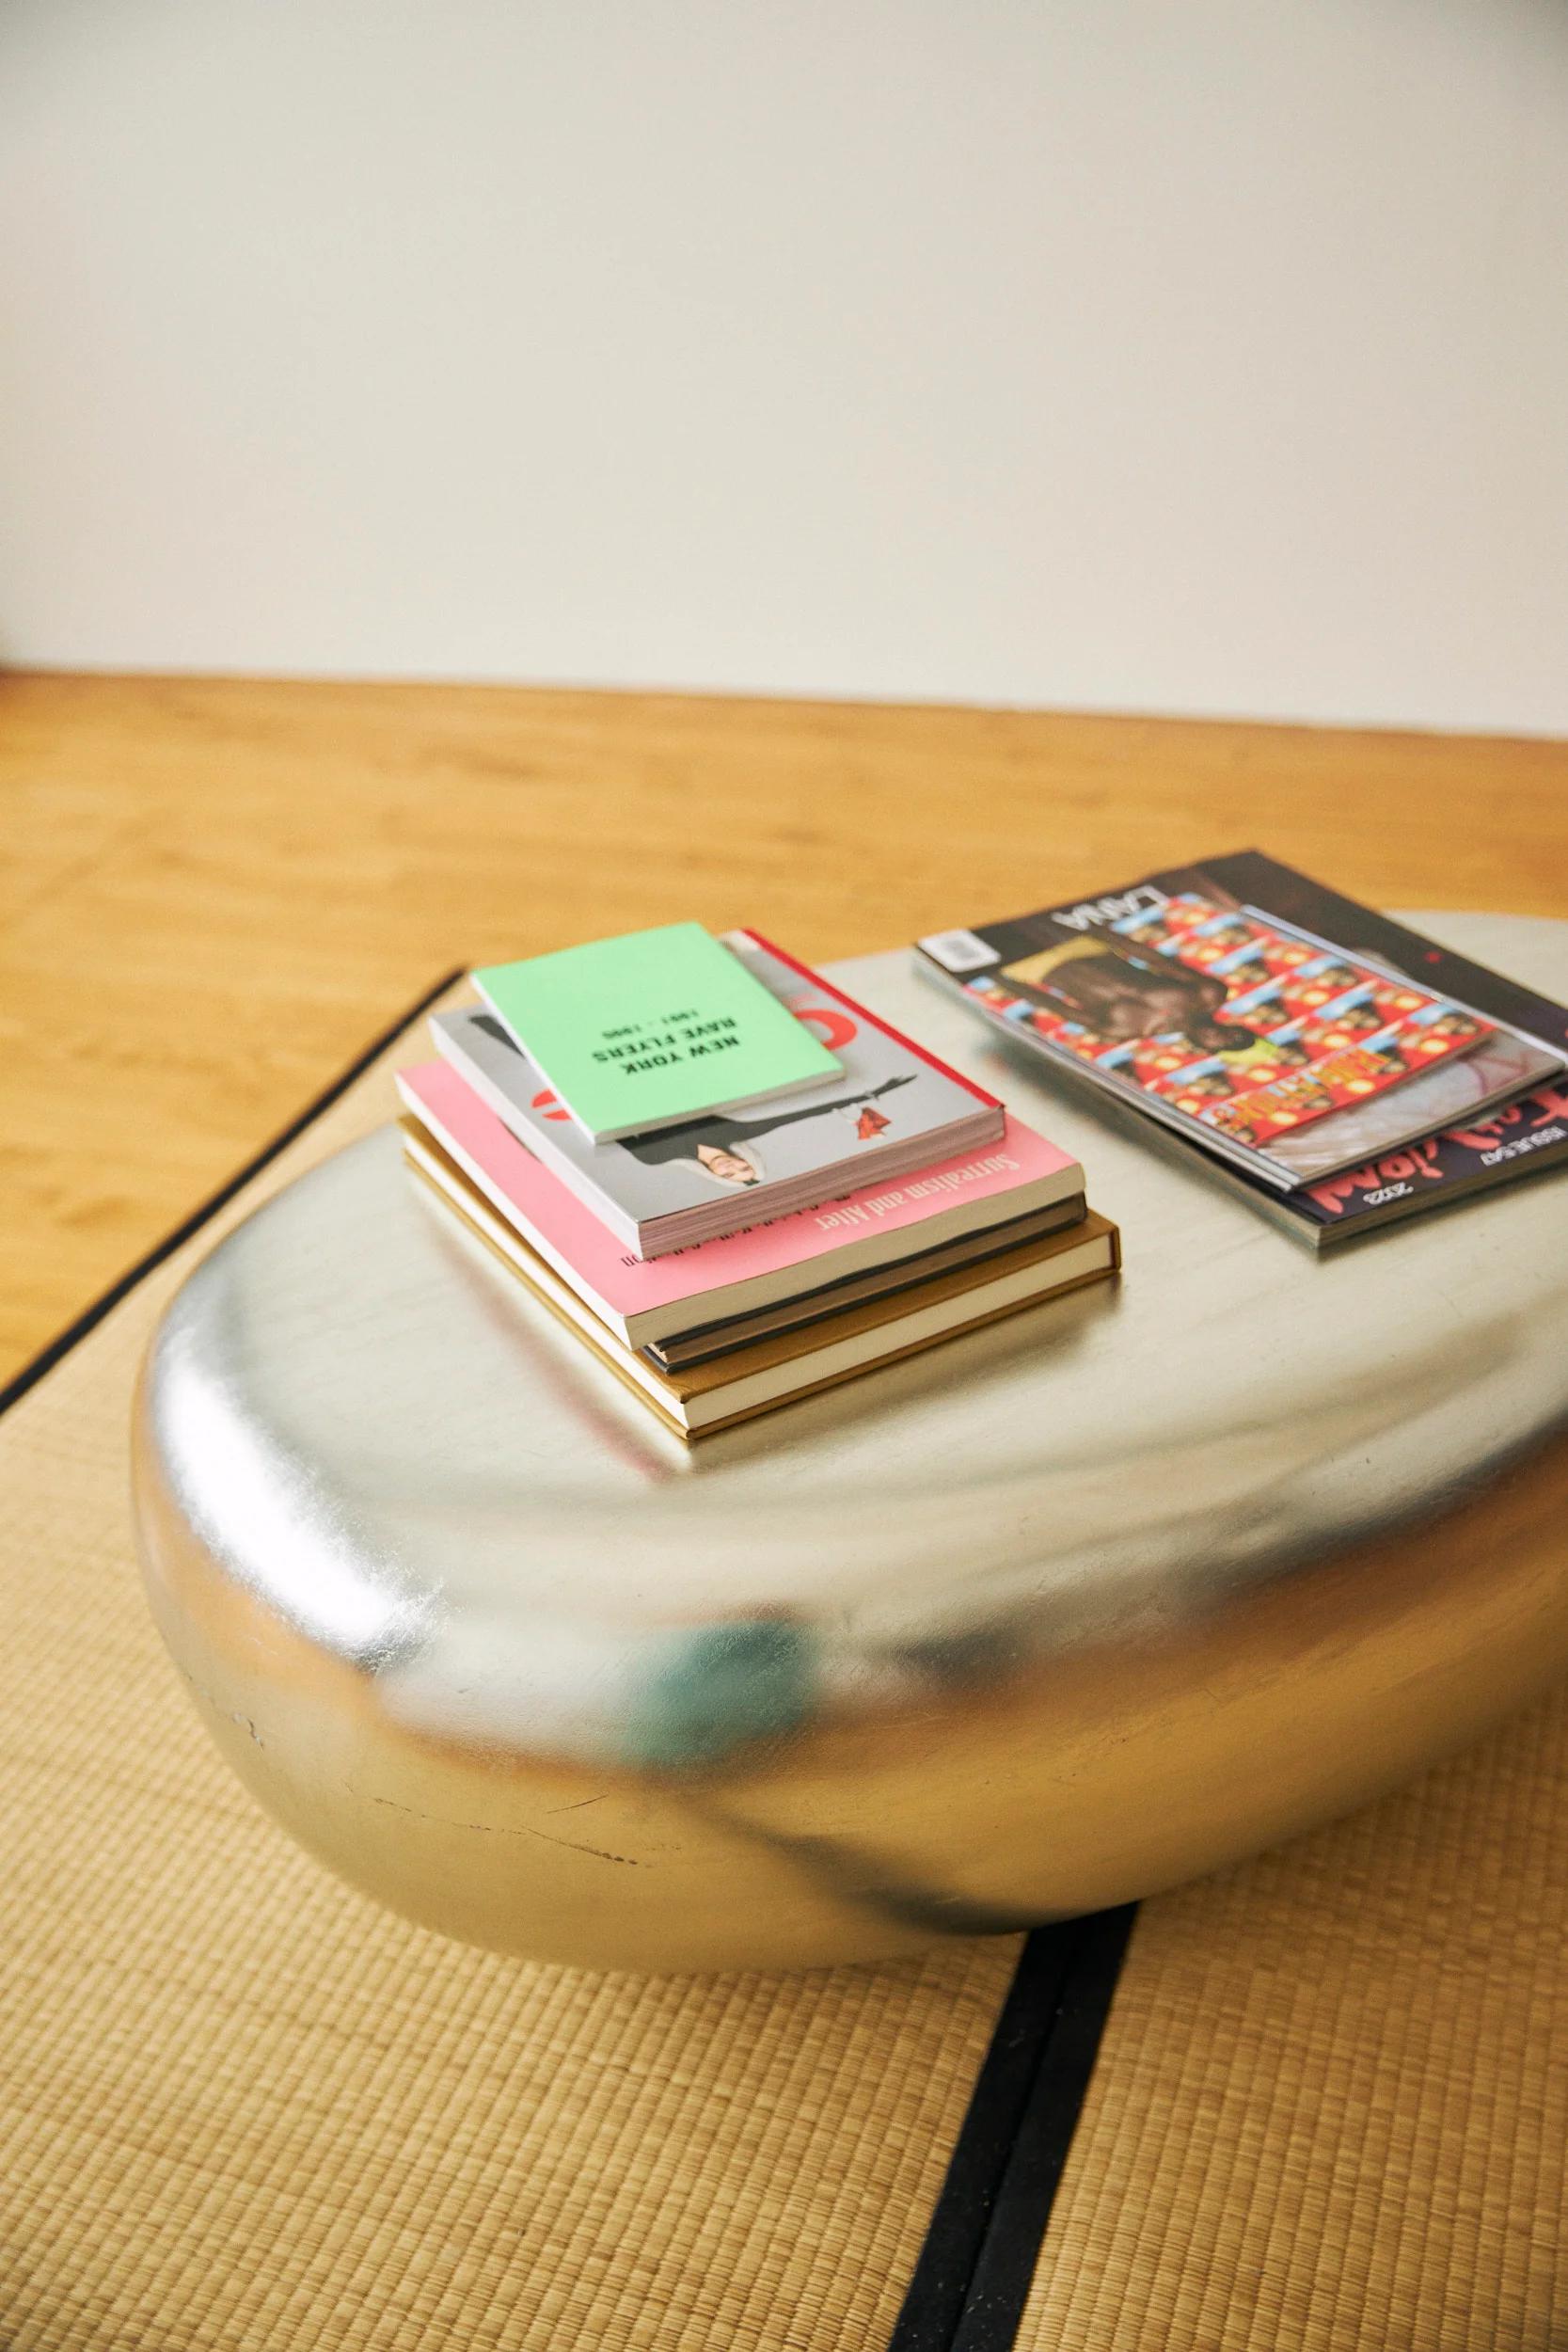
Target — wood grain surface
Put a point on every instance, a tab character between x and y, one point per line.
212	892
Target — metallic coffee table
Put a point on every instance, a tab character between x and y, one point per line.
1052	1616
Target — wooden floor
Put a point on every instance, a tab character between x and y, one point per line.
213	893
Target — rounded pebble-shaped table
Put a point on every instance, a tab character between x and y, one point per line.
1119	1589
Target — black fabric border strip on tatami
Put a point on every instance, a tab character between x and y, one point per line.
47	1357
971	2278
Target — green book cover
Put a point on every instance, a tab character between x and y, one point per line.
652	1028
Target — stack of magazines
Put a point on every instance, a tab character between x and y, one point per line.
1336	1068
731	1181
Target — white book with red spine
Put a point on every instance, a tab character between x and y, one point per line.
895	1108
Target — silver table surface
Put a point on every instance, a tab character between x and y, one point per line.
368	1428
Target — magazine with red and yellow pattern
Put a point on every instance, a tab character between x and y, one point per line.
1223	1017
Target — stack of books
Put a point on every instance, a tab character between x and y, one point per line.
1337	1069
733	1182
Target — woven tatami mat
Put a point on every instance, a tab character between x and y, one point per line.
241	2107
1331	2105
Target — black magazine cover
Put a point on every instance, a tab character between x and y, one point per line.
1258	943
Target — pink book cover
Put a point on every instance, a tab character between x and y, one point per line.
629	1285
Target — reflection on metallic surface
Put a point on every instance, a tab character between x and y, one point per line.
1051	1616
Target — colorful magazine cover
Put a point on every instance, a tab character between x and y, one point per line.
1276	1025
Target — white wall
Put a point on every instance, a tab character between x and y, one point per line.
1125	353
